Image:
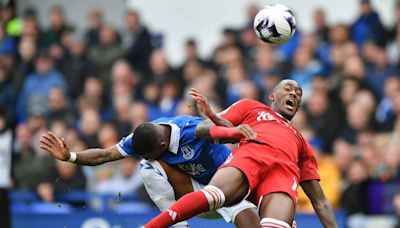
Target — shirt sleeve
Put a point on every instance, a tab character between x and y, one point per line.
308	164
125	146
234	113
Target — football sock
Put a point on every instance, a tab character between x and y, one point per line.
210	198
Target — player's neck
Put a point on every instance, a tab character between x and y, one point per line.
167	132
276	110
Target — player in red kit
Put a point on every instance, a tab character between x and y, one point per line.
266	169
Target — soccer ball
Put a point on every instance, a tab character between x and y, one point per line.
275	24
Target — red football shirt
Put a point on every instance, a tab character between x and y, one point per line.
273	130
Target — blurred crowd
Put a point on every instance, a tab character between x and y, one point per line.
93	87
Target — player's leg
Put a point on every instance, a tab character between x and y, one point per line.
181	183
277	210
160	190
232	183
228	187
247	218
243	214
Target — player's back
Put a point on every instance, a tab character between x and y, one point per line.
197	157
272	129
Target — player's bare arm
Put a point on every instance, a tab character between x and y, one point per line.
203	106
321	205
59	149
208	130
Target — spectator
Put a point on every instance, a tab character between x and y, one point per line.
151	97
324	118
39	83
396	203
27	50
265	74
379	72
6	139
65	177
57	27
136	41
7	91
169	98
95	21
13	23
235	77
7	43
160	68
76	68
122	74
321	26
30	26
191	51
121	105
354	199
368	26
138	114
59	109
24	176
33	163
305	68
89	125
105	53
127	181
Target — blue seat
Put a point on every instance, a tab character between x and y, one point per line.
20	208
51	208
23	196
133	208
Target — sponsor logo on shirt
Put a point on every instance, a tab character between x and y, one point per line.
192	169
187	152
266	116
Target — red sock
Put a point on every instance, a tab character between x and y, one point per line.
186	207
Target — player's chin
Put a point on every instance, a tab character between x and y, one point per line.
288	114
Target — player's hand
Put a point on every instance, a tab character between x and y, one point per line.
201	102
55	146
246	131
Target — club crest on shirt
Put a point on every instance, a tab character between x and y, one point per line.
187	152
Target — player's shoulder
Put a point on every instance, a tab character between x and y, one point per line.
249	103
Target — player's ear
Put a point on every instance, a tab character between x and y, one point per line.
163	145
271	96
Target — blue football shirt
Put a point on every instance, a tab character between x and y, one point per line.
197	157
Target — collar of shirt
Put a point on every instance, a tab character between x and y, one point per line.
174	138
280	115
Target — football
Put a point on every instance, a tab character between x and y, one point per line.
275	24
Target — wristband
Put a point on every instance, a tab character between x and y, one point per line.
72	157
218	132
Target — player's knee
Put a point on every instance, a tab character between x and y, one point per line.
273	223
215	197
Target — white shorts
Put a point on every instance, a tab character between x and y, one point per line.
161	192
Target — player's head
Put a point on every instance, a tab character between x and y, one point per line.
286	98
150	141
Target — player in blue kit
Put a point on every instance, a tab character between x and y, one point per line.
170	148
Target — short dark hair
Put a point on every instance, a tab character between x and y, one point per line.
144	138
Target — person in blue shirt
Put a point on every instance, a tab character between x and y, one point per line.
180	156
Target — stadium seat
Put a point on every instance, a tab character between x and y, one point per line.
133	207
51	208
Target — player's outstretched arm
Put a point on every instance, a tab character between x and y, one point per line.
321	205
57	147
203	106
208	130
